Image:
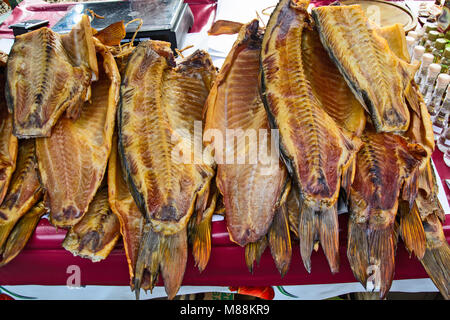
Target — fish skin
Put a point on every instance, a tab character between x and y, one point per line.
73	160
374	73
45	79
329	85
96	234
21	233
161	100
250	189
24	191
386	166
8	142
315	150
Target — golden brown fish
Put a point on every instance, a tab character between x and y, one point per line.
396	39
73	160
329	86
317	153
96	234
24	190
21	233
123	205
375	74
8	141
250	186
386	171
48	74
160	104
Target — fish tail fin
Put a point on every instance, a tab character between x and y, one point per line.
147	264
357	251
173	261
200	233
161	253
411	230
280	240
436	262
436	259
382	244
21	233
319	226
254	251
329	236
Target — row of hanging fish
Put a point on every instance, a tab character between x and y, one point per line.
89	130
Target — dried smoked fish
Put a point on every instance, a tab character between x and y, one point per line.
24	191
21	233
160	102
386	172
251	187
96	234
375	74
317	153
73	160
48	74
123	205
8	141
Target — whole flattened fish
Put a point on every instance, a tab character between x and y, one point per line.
386	172
251	187
8	141
96	234
21	233
375	74
48	74
123	205
24	191
329	85
317	153
73	160
160	104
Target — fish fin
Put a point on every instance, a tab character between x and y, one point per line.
411	230
319	225
357	251
220	27
254	251
21	233
5	231
382	244
112	35
200	233
280	240
436	259
173	261
147	264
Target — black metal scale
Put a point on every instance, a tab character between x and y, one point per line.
166	20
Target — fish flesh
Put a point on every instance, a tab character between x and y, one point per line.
122	204
8	141
24	191
161	105
48	74
21	233
329	86
386	172
251	187
315	150
375	74
73	160
96	234
396	39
